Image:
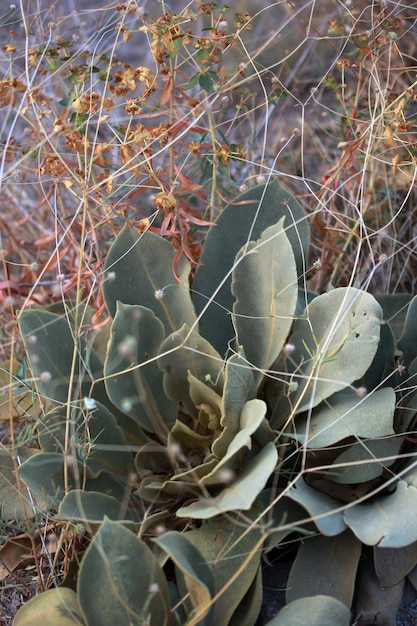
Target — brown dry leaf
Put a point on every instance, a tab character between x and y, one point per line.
18	551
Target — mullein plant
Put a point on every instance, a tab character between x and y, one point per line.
209	421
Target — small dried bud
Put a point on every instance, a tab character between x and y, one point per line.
289	348
143	225
165	202
45	377
292	386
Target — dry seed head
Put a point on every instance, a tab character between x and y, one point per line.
143	225
165	201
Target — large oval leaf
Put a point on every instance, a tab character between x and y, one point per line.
44	474
56	606
242	221
315	611
90	506
388	521
325	565
365	460
242	492
138	270
121	582
49	344
345	415
15	503
232	550
325	512
408	341
393	564
96	439
335	342
133	380
265	285
186	351
195	578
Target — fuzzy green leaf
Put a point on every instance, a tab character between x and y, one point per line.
240	495
336	341
89	506
315	611
239	387
393	564
10	497
49	344
395	310
227	545
247	611
197	579
325	565
138	270
186	351
265	285
253	414
243	220
121	582
345	415
375	603
323	509
407	343
365	460
98	442
133	380
44	474
377	522
56	606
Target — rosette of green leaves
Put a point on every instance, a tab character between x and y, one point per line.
209	442
359	486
